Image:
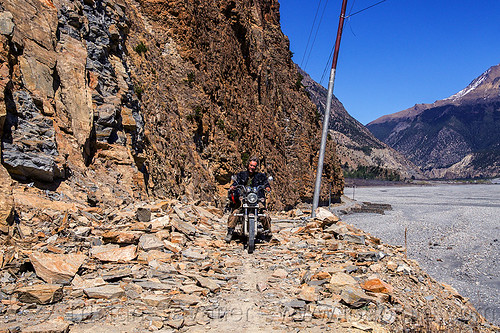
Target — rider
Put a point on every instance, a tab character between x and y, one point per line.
250	177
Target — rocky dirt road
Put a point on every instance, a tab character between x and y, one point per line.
163	267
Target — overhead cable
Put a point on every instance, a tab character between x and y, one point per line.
362	10
316	34
310	33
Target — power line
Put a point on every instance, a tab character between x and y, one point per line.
316	34
347	17
310	33
327	64
352	6
362	10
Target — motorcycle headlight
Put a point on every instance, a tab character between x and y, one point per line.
252	198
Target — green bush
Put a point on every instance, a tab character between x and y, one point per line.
220	124
298	83
371	172
233	135
190	79
244	158
197	114
141	48
138	90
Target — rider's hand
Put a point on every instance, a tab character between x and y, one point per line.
232	188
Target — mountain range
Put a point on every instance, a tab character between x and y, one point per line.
457	137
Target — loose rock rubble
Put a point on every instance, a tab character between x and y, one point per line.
104	270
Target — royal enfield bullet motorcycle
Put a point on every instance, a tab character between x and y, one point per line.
249	217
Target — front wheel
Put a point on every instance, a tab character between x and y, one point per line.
251	235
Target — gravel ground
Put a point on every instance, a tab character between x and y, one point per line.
452	230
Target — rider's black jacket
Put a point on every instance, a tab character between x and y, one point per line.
259	178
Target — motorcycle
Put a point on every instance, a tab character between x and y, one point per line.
249	198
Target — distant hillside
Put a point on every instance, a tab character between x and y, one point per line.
361	154
457	137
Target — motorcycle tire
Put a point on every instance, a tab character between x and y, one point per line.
251	235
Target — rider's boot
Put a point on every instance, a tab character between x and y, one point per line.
229	235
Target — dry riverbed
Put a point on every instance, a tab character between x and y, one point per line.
452	230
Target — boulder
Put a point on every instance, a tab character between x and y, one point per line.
149	242
377	286
308	294
143	214
341	279
114	253
50	326
56	268
354	297
323	213
6	23
172	247
121	237
79	283
156	300
207	283
104	292
192	288
6	199
280	273
183	299
40	293
353	238
117	273
193	254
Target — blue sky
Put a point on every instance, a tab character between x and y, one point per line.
398	53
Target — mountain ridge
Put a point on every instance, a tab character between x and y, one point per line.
456	137
357	148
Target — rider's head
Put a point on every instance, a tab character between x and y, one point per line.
253	163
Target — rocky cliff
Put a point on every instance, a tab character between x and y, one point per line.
456	137
359	151
105	102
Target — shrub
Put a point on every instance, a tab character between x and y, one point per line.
244	158
298	83
138	90
190	79
220	124
141	48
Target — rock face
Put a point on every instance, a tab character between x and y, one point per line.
456	137
29	145
121	99
361	154
222	76
64	89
